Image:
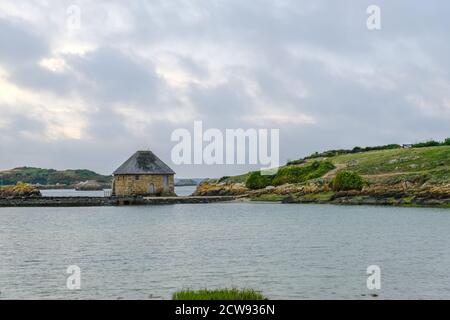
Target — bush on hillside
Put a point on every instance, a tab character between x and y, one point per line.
295	162
289	174
347	180
298	174
257	181
223	179
430	143
337	152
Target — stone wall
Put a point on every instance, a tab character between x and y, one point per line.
143	185
57	202
104	201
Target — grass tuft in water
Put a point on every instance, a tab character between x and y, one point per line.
218	294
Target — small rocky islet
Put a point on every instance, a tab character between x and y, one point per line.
20	190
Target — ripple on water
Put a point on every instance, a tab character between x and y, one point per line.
286	251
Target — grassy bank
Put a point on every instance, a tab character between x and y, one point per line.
218	294
426	164
391	176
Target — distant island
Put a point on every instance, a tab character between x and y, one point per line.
51	178
404	175
80	179
185	182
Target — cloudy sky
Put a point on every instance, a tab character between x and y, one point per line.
134	71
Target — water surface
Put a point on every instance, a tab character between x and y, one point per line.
180	191
287	251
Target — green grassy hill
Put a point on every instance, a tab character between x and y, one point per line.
383	175
419	165
429	164
49	176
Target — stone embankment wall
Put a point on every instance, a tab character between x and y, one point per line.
103	201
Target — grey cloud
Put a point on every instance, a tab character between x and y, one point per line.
227	101
313	58
19	123
193	67
113	76
19	44
37	77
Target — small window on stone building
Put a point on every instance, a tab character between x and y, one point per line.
136	177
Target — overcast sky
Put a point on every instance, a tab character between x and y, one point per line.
136	70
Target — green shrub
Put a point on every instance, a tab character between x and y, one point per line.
219	294
295	162
223	179
446	142
298	174
430	143
289	174
258	181
332	153
347	180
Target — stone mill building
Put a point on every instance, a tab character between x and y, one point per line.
143	174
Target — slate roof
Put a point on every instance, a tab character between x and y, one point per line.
143	162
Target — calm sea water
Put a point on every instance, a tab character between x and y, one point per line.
286	251
180	191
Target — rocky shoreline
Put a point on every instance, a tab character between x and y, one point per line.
380	200
317	191
401	194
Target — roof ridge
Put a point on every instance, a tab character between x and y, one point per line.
143	162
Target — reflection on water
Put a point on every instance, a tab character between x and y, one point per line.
287	251
73	193
181	191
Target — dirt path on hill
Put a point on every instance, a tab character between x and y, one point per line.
391	174
340	166
333	172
